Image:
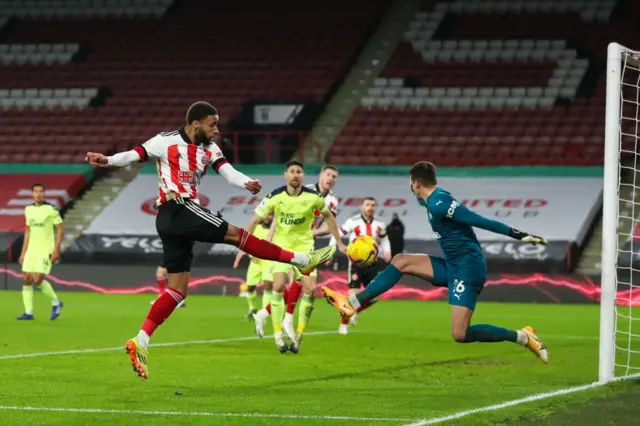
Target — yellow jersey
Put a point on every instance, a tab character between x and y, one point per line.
294	216
41	221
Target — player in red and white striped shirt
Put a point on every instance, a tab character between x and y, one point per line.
182	157
364	224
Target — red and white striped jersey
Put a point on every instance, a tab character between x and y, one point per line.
330	200
180	163
359	225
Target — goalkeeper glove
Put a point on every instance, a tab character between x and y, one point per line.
526	238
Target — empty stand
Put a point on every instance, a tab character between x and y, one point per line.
503	84
34	54
231	54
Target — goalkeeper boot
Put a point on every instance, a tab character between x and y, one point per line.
535	345
341	302
318	257
280	343
138	356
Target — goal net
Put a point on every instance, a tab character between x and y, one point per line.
620	288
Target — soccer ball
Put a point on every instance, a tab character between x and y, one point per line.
362	251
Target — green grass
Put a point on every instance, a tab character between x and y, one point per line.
399	363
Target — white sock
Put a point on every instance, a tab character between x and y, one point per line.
300	260
263	313
523	338
354	301
143	339
288	317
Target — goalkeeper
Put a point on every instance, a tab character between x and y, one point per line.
39	250
462	269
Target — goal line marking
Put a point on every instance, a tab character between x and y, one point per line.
530	398
203	414
157	345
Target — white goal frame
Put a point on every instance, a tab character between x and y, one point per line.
610	207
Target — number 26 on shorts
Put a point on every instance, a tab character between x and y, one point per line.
458	286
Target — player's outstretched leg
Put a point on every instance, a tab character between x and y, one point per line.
266	250
381	284
463	332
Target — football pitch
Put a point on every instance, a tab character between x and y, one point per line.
399	366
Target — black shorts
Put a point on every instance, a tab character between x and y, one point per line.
361	277
180	223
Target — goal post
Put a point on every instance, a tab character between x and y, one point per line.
619	352
610	213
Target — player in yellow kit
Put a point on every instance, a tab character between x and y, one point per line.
294	208
259	271
41	247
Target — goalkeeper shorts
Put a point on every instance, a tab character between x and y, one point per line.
464	284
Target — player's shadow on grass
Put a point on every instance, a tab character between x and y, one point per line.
368	373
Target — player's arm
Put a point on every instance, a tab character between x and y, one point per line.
25	239
272	230
323	229
331	223
238	179
57	222
385	244
153	148
460	213
345	229
265	207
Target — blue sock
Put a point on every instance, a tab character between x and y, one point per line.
382	283
489	333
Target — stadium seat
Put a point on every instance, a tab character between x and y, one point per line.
149	74
500	75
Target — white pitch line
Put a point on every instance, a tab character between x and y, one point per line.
205	414
530	398
119	348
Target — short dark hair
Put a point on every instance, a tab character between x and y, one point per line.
199	111
292	163
36	185
329	167
369	199
424	172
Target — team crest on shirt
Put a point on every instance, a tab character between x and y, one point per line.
205	160
149	206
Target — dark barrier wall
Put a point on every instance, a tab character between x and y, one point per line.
501	256
132	279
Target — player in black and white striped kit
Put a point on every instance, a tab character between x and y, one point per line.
364	224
